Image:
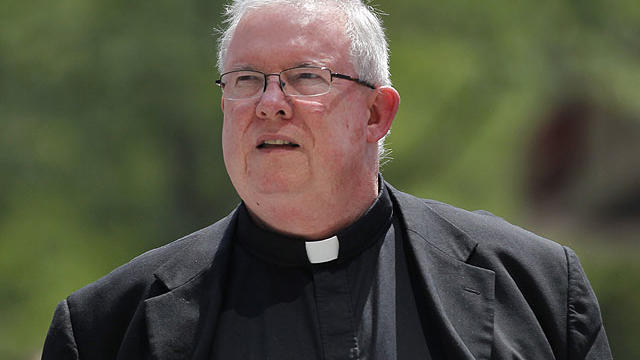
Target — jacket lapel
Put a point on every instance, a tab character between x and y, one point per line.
456	298
194	278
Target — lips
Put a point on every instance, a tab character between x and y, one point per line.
276	143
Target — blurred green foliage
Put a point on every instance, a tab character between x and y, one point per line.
110	141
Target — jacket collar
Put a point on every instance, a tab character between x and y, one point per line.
423	221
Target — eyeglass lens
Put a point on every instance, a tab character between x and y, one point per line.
300	81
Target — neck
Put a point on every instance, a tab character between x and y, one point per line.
314	216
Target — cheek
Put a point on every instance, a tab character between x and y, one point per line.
228	133
235	124
237	118
345	141
354	127
227	138
311	110
311	116
339	131
229	147
351	115
357	128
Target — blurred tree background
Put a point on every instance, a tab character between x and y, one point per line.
110	136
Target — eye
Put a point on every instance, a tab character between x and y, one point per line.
306	75
246	78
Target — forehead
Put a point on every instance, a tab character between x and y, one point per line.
275	37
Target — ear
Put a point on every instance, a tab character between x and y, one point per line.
383	108
222	103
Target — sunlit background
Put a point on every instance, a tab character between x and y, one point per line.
110	136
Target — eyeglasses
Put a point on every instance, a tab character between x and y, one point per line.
297	81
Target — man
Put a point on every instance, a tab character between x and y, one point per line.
323	259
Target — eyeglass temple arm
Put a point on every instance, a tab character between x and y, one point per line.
347	77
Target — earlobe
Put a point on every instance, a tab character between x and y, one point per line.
222	103
383	109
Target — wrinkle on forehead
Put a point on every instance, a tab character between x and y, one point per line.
308	18
304	12
300	27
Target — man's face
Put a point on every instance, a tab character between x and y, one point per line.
329	130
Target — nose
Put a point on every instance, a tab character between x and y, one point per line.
273	103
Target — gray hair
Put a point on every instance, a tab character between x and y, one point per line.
369	51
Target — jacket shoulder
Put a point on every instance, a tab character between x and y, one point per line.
463	233
94	321
139	272
110	306
496	235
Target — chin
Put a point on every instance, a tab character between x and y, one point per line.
280	183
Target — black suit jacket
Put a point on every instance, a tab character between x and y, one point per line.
485	290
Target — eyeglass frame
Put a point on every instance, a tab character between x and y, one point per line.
280	82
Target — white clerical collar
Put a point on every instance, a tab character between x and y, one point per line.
272	246
322	250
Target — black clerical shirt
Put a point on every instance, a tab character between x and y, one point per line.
280	305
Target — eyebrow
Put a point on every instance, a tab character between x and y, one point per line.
247	66
242	67
319	63
307	63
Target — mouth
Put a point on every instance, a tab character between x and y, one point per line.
277	144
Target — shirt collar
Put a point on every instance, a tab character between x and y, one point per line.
284	250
